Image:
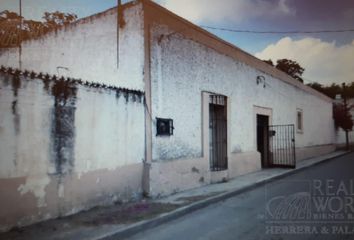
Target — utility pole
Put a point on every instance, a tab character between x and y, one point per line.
346	113
20	37
119	3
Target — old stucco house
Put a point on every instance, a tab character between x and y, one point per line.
91	115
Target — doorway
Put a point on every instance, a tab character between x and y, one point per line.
263	139
218	132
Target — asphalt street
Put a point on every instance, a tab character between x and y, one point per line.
316	203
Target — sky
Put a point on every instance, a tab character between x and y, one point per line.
326	57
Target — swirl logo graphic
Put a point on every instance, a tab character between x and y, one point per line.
293	207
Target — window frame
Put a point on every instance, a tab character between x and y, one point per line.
299	127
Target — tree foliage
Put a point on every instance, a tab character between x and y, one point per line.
342	117
291	68
11	32
270	62
56	19
341	114
288	66
334	89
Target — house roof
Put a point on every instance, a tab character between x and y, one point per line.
161	14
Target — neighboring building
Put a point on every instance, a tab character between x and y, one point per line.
178	109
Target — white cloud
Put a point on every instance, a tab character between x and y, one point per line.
233	11
324	62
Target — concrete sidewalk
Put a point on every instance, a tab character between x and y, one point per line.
121	221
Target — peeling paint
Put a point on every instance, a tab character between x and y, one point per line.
61	191
36	185
172	148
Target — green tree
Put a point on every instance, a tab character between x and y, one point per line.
316	86
7	15
11	32
342	117
57	19
291	68
331	91
270	62
288	66
341	114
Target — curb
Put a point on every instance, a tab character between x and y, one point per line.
166	217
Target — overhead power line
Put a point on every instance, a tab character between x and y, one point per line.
279	32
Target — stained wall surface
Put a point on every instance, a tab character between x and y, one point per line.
66	147
70	145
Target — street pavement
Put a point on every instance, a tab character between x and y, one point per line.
316	203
